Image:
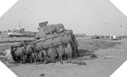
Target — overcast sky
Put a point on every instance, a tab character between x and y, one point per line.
92	17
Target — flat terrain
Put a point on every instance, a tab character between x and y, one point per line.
102	58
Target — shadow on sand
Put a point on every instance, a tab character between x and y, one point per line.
86	54
83	56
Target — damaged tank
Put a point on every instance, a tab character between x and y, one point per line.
52	43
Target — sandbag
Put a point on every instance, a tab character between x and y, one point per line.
19	51
59	28
66	39
38	46
47	43
28	49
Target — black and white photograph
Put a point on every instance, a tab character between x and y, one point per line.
63	38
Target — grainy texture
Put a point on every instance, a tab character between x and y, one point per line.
102	58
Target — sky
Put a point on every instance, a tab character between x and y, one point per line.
92	17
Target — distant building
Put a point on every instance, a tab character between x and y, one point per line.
115	37
18	29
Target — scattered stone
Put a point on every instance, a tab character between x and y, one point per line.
93	56
42	74
109	57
